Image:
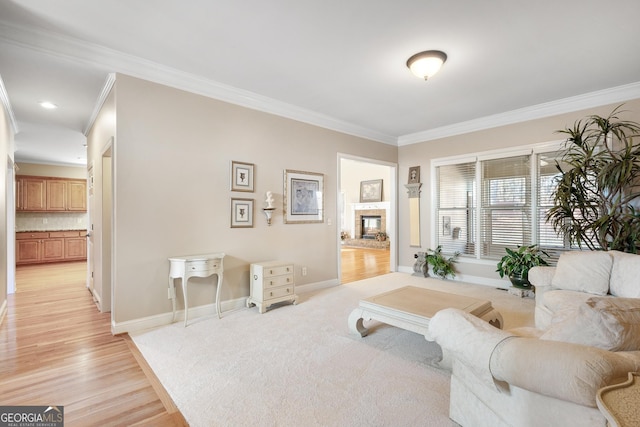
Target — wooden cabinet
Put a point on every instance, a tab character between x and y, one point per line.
31	194
46	194
271	282
50	246
56	195
77	196
29	247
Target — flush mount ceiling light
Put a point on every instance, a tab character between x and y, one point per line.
48	105
426	64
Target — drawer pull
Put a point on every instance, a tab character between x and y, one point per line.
288	280
270	271
270	294
270	282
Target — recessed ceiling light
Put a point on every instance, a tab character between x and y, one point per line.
48	105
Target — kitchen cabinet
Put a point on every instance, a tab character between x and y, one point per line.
50	246
46	194
31	194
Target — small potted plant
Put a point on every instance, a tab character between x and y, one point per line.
441	266
381	236
516	264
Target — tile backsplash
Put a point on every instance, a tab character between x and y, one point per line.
47	221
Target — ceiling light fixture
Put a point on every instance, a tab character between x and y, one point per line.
48	105
426	64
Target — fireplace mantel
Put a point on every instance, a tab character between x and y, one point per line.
359	209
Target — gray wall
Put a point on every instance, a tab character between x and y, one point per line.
421	154
171	156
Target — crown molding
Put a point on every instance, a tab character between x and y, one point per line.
115	61
58	45
561	106
104	93
4	99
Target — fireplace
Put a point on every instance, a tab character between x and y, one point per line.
369	219
370	226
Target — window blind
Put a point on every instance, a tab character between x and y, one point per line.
456	208
506	207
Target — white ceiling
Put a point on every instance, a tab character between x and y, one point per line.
339	64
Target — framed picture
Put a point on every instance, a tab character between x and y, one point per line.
446	226
241	213
371	191
241	176
303	197
414	174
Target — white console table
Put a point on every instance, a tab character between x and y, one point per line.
185	267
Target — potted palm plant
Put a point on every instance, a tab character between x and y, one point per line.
517	263
596	199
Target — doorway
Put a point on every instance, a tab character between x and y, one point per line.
363	253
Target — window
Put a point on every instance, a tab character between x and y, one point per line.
486	205
456	208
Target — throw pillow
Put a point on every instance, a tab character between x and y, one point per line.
583	271
605	322
625	275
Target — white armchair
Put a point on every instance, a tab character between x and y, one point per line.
501	379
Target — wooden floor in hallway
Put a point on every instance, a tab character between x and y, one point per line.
56	348
362	263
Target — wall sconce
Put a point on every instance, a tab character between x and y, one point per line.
268	211
426	64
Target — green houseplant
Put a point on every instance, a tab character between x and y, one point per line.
441	266
596	199
516	264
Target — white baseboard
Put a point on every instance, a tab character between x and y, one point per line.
310	287
163	319
476	280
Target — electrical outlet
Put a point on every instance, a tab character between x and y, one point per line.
304	271
45	220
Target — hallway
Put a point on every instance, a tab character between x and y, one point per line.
57	349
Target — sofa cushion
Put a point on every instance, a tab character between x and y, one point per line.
584	271
562	303
625	275
604	322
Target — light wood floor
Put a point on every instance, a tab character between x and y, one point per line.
57	349
362	263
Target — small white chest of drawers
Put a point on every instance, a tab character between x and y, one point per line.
271	282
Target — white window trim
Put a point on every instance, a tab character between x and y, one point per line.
530	149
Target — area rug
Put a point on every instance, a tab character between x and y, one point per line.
299	365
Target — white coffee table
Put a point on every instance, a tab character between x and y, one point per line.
412	308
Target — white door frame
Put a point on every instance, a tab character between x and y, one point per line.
393	209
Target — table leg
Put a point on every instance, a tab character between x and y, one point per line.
172	290
185	279
218	296
356	324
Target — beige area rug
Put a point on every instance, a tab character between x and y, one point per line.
301	366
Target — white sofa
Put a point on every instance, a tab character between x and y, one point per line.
579	276
587	336
502	379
